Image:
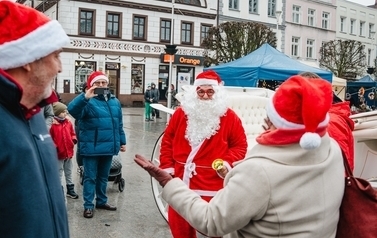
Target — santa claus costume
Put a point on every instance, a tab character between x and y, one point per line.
199	132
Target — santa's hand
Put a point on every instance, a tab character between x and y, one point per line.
160	175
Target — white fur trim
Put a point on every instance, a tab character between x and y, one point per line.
310	141
204	81
169	170
37	44
98	78
280	122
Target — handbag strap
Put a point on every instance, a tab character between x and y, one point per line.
348	170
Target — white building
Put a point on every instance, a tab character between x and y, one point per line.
126	40
308	25
358	22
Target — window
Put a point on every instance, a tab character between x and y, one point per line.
204	32
342	24
296	14
325	20
271	8
311	17
295	45
139	28
310	49
137	78
371	30
362	26
186	33
165	28
82	71
113	24
352	27
253	6
87	22
233	4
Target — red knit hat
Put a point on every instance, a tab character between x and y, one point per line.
301	104
95	76
208	77
27	35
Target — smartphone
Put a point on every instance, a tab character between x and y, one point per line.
99	91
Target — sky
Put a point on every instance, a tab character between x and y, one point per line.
363	2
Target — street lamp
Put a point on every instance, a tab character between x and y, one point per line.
171	50
278	14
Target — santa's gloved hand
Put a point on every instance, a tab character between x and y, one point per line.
160	175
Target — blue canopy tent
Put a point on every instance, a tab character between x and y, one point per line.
265	63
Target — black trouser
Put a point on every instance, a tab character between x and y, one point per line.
155	112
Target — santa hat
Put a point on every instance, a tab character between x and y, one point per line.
95	76
301	104
208	77
27	35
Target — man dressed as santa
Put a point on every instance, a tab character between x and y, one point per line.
203	129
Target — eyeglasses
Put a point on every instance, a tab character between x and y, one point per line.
209	92
98	83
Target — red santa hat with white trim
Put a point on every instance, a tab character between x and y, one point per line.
27	35
208	77
95	76
301	104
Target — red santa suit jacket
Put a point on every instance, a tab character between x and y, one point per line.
340	129
229	144
64	137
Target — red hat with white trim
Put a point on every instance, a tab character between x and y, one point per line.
208	77
301	104
95	76
27	35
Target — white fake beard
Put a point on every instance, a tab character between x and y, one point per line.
203	116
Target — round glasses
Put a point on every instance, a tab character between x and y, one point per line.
209	92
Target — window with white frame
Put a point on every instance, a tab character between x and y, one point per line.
233	4
342	24
369	55
271	10
362	30
295	46
371	30
352	26
325	20
310	49
296	14
253	6
311	17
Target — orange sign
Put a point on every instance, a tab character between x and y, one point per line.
168	58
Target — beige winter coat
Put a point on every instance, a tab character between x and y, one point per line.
278	192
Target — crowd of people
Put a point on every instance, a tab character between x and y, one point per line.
291	185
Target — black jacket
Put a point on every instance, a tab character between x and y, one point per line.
32	200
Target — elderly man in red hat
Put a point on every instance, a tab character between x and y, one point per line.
100	123
202	130
31	201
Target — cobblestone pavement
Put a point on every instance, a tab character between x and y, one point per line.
137	215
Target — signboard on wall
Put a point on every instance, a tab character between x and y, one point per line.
183	79
183	59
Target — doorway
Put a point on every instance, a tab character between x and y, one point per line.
113	73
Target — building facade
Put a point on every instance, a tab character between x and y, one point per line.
308	25
126	40
358	22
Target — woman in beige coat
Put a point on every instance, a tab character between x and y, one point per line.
291	186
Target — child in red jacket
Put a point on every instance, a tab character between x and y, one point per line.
64	137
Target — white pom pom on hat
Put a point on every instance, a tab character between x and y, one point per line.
301	104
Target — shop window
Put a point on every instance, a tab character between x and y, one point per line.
82	70
137	78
